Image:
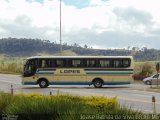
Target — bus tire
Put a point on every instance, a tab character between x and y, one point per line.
98	83
43	83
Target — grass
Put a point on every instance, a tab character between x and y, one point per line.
139	65
66	53
138	82
62	107
57	107
11	65
154	88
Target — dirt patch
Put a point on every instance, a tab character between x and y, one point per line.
154	89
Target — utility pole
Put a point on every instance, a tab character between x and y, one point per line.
60	35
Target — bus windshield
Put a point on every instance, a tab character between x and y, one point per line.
30	67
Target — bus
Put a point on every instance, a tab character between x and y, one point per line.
78	70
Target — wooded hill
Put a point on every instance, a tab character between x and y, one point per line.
24	47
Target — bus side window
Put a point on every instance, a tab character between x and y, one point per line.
126	63
117	63
104	63
49	63
45	63
91	63
76	63
61	63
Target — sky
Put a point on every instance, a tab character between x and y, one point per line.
97	23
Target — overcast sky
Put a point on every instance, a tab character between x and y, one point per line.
97	23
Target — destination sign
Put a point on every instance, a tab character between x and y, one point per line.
69	71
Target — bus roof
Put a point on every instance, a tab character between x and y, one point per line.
33	57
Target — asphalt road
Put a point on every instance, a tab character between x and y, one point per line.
132	96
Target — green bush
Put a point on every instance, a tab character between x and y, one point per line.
35	106
61	107
5	101
144	69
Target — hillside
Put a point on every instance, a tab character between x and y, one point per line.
24	47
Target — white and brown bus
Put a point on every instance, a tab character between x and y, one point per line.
78	70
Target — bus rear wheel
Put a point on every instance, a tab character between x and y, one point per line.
43	83
97	83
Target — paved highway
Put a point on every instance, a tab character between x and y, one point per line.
134	95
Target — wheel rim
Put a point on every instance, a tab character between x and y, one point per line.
98	83
148	83
43	83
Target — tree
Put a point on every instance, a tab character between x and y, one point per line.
147	69
85	46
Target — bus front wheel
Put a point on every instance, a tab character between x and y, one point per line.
43	83
97	83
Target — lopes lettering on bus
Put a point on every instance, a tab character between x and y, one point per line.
69	71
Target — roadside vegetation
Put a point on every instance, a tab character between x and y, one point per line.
64	107
11	64
144	69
